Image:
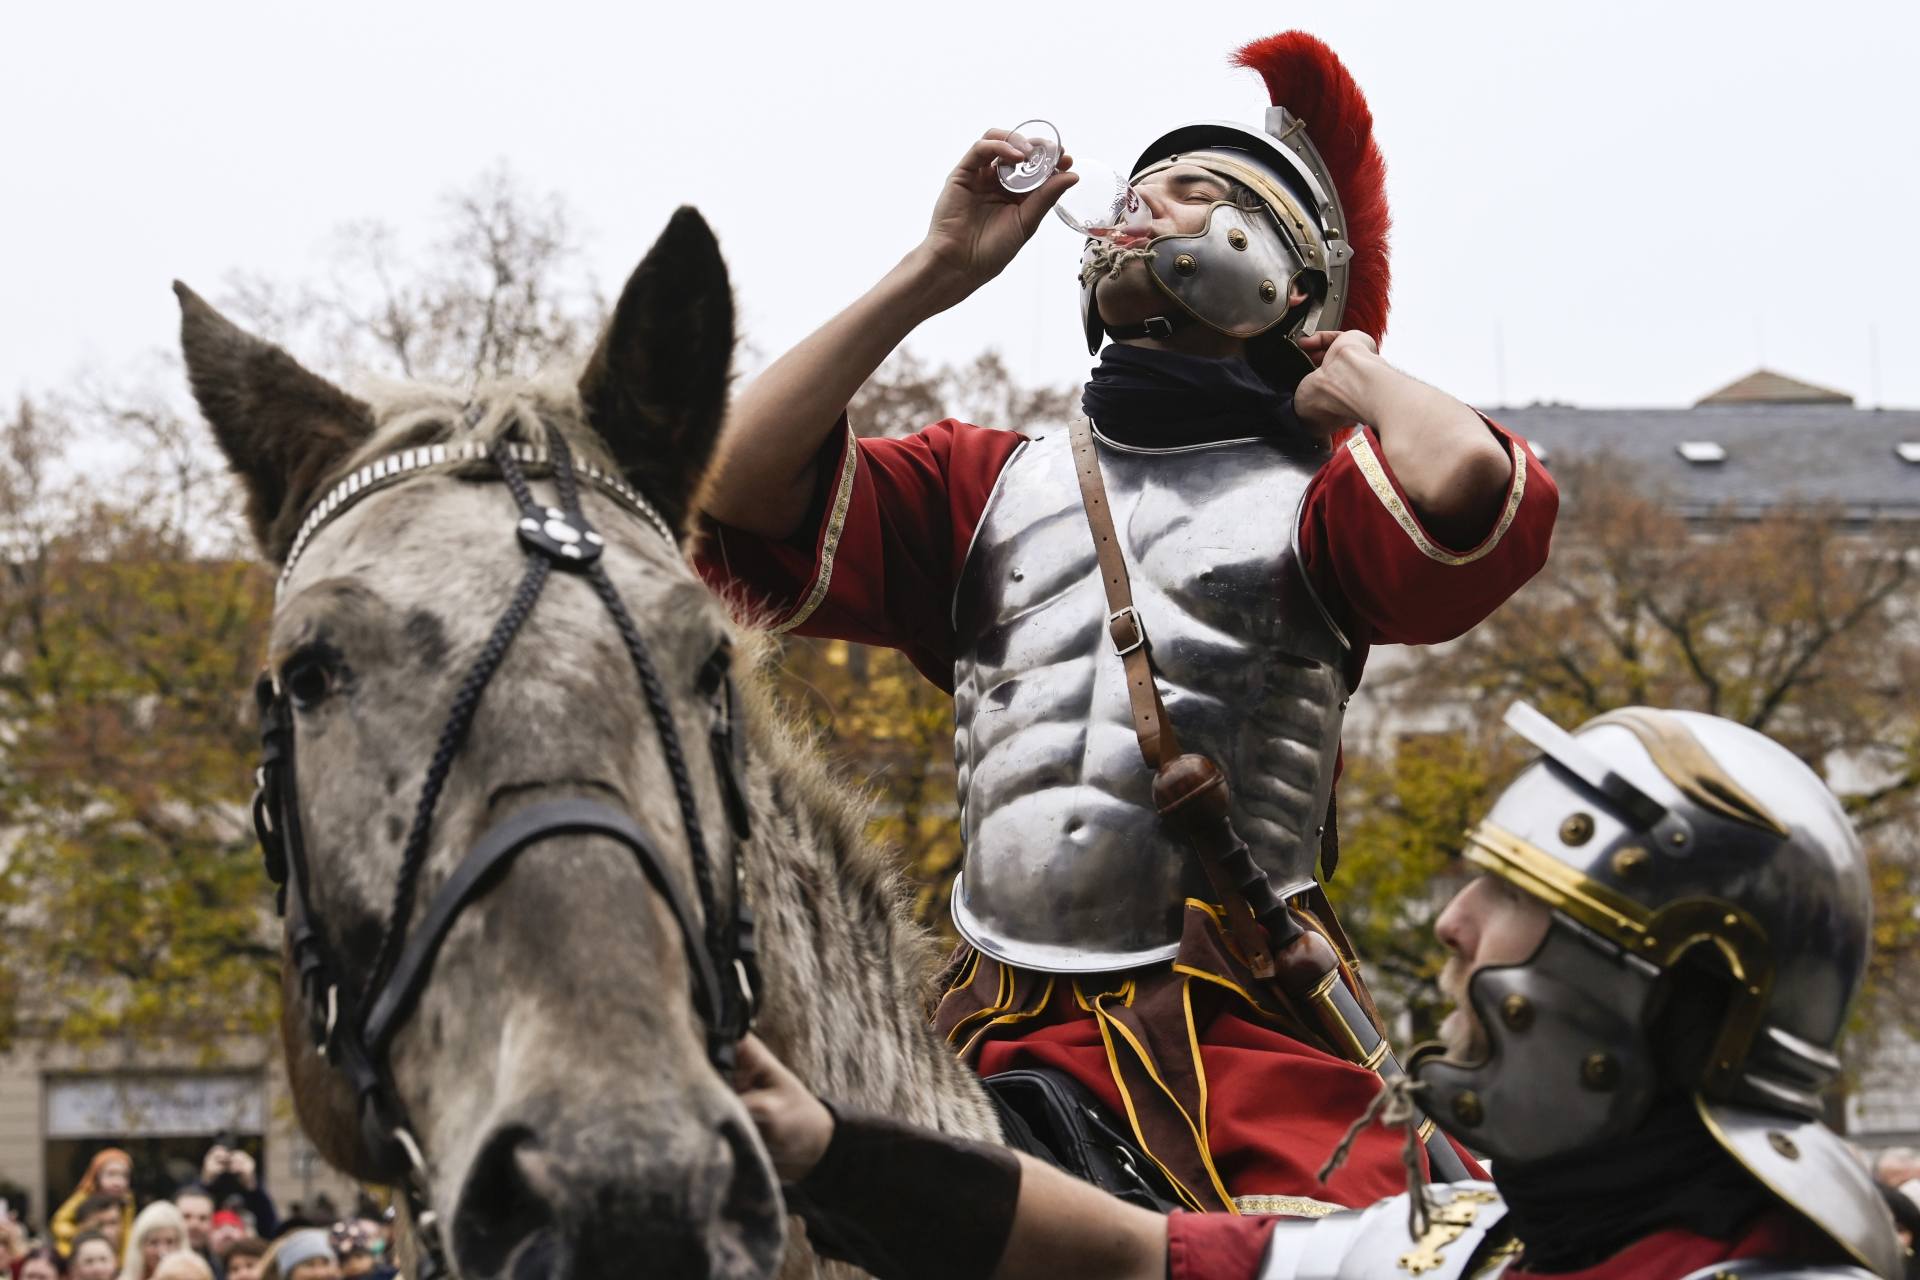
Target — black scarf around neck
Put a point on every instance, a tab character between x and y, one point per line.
1577	1210
1158	399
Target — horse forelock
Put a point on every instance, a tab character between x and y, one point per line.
409	414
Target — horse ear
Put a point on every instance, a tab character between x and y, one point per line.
282	428
656	387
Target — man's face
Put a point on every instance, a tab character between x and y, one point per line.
223	1233
1488	924
1179	198
94	1260
106	1222
198	1211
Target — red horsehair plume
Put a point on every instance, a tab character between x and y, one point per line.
1307	78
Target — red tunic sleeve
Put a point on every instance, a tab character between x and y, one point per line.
876	560
1216	1246
1378	568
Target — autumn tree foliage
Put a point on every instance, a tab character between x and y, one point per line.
1798	624
130	624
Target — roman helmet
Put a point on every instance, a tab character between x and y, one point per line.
1317	217
1679	852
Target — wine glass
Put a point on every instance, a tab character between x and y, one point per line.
1103	205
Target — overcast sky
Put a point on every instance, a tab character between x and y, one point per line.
1603	203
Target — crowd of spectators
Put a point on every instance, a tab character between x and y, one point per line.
1897	1170
222	1226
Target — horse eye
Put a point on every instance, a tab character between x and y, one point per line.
308	678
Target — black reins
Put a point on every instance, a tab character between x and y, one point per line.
354	1029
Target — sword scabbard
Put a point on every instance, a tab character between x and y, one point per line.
1192	796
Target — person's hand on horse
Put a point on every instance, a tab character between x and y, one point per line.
795	1126
977	224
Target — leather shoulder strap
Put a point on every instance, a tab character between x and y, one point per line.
1157	741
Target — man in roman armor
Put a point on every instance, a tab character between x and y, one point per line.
1283	499
1651	972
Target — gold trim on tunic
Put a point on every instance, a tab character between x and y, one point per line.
1376	473
836	524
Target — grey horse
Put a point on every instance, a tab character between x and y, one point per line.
555	1068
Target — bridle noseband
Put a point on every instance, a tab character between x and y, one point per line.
353	1030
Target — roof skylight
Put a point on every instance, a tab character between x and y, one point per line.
1701	452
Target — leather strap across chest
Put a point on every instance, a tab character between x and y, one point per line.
1158	742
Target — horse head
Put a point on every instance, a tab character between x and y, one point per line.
551	1064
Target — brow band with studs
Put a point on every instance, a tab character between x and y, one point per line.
385	471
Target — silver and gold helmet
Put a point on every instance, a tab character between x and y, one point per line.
1234	276
1674	848
1310	209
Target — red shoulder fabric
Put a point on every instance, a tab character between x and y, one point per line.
1390	581
1779	1236
1216	1246
876	560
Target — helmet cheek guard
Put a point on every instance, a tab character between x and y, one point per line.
1234	276
1568	1062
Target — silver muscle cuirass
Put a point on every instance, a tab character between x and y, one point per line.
1067	868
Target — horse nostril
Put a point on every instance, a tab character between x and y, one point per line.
505	1223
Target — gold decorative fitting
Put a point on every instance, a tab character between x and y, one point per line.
1677	838
1447	1223
1599	1071
1630	863
1783	1144
1185	264
1237	238
1467	1109
1576	830
1517	1012
1267	292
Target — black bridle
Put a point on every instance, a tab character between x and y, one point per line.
353	1029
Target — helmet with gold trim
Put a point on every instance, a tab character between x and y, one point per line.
1711	914
1308	210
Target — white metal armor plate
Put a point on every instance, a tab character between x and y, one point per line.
1067	869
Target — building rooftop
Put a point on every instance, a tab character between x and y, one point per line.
1764	386
1743	455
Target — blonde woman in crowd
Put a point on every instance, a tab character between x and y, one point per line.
157	1232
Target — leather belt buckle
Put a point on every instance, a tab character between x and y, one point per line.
1125	630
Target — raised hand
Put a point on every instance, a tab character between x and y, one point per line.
977	225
